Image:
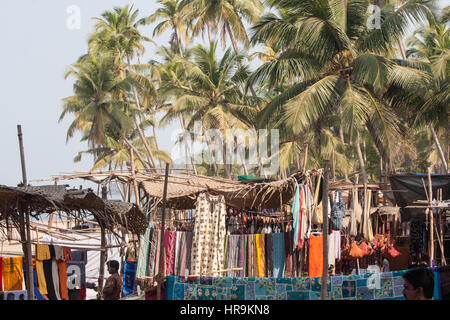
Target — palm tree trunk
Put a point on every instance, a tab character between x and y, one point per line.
384	152
233	41
138	127
213	159
341	135
360	158
438	146
122	135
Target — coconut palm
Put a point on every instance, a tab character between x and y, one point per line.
337	63
95	104
117	34
429	52
215	98
224	16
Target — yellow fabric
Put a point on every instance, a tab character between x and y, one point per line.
258	253
262	256
12	274
41	277
43	252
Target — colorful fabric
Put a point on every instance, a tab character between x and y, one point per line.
43	252
209	234
337	211
278	255
129	274
297	216
63	290
381	286
67	254
1	274
315	262
12	273
170	238
41	277
143	255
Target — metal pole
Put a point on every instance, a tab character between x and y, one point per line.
161	268
26	213
324	293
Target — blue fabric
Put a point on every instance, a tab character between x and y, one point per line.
295	214
278	255
129	274
37	293
380	286
437	294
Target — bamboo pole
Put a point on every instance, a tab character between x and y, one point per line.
102	253
324	291
430	199
27	247
161	268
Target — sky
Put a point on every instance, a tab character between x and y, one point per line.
39	42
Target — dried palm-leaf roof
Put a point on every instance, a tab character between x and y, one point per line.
182	190
42	199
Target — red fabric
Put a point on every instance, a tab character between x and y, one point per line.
300	217
67	254
83	292
315	256
1	277
170	238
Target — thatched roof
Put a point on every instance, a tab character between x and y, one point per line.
43	199
182	191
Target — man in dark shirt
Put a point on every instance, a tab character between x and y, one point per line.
113	285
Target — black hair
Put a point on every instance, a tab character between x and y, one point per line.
421	277
113	264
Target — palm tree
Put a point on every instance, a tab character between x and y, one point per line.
430	52
117	33
335	62
224	16
95	104
215	97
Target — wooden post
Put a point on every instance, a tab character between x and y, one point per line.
324	293
430	202
101	273
27	252
133	175
161	269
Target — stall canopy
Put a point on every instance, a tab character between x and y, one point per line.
182	191
409	188
46	199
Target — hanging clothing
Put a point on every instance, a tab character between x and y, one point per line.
59	254
43	252
288	250
331	249
1	274
337	244
315	262
355	211
143	256
309	205
63	290
317	216
209	234
12	272
55	275
278	255
170	238
268	254
129	274
41	277
366	226
297	216
338	211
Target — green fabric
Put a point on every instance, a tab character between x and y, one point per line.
250	178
